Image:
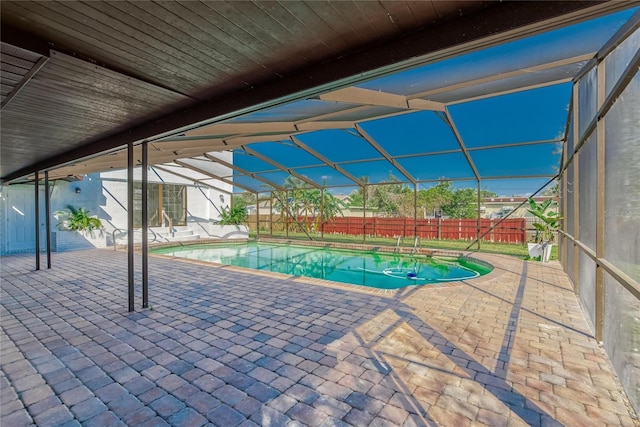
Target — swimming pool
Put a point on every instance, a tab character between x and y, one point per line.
366	268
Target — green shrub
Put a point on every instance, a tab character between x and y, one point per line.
78	220
235	215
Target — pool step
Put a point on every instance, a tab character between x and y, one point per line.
179	234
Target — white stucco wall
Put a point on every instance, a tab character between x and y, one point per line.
105	195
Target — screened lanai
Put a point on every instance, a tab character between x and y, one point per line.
501	119
543	108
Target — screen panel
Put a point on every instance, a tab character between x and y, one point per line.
525	160
532	115
409	134
437	166
622	181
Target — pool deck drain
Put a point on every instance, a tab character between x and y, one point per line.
227	347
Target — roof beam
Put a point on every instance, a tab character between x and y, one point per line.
502	76
424	104
242	128
279	166
334	114
356	95
509	91
118	159
203	144
321	125
456	133
241	140
384	154
326	161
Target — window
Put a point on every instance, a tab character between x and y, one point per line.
168	198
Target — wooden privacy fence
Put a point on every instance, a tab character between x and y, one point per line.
510	230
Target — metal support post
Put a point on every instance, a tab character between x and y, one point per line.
47	208
600	201
130	225
576	192
145	225
37	203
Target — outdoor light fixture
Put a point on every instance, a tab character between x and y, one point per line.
78	190
222	198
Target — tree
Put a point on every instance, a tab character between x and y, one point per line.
551	191
434	198
391	197
488	194
243	199
463	204
309	203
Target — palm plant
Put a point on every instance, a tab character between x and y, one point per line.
79	220
236	215
309	203
550	220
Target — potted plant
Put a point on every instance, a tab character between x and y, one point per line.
232	224
78	220
77	230
545	230
235	215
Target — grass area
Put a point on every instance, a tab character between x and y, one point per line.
518	250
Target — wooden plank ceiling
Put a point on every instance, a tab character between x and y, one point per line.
79	78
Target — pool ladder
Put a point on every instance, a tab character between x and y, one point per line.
397	249
416	243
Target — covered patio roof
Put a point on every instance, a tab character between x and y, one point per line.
314	106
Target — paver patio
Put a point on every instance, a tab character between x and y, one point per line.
228	347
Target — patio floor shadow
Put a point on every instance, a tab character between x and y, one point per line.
222	346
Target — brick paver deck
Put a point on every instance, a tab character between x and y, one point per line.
227	347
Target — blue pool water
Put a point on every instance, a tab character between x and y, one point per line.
366	268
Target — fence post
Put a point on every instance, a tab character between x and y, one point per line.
439	228
375	226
